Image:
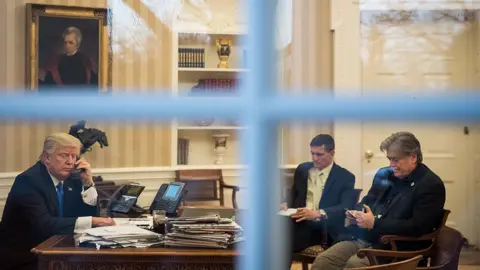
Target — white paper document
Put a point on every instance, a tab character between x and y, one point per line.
144	222
127	235
287	212
117	231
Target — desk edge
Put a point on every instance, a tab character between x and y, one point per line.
40	249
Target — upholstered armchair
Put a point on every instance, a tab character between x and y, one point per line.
443	253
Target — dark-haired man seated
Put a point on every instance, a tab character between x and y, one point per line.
406	199
320	192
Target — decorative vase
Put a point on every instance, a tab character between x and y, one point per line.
223	51
220	147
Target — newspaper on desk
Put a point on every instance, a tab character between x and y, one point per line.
207	231
126	235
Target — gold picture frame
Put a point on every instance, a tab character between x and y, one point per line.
51	31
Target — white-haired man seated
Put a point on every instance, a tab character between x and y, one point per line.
45	201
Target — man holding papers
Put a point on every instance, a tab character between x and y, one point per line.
320	193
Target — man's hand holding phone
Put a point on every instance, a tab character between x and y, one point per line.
85	172
351	217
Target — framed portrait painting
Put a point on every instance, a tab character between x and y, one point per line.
68	48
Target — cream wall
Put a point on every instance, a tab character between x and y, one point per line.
141	152
345	22
309	69
474	145
347	81
141	59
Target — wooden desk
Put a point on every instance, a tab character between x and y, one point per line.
59	253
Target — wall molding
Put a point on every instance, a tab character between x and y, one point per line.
142	172
150	177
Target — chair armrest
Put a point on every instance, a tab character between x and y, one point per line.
234	195
372	254
234	192
387	238
431	267
391	239
235	188
184	195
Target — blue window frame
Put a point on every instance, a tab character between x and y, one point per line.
261	110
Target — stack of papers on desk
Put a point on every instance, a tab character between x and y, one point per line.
120	236
207	231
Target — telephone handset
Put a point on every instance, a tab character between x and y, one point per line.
124	199
75	173
168	198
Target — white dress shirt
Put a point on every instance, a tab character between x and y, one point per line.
89	197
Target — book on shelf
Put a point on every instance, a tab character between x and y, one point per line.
182	151
216	85
191	57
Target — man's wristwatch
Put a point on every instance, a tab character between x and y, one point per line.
323	215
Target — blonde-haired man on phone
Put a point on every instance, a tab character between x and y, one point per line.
45	200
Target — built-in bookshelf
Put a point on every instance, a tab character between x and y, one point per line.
208	143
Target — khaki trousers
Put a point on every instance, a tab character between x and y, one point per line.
341	255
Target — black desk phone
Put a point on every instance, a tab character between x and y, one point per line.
124	199
168	198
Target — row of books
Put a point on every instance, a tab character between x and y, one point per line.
191	57
216	85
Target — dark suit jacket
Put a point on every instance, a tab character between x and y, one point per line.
31	214
337	195
416	210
